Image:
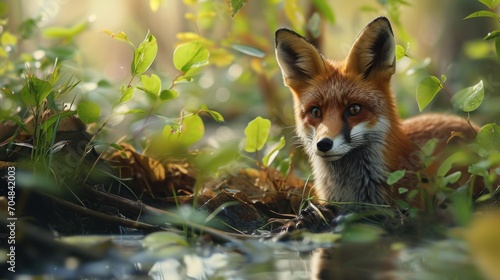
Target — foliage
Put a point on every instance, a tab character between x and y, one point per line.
256	134
427	90
168	125
175	115
469	98
466	100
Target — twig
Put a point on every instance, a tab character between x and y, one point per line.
137	208
108	218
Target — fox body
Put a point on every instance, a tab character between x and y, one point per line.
347	119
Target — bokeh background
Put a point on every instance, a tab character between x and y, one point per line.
241	87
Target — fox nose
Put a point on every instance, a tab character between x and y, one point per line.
324	144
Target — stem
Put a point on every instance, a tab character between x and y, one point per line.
131	80
89	143
145	121
446	90
470	124
179	74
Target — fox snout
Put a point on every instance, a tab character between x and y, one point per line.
329	151
324	145
332	149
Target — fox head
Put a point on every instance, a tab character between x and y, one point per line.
340	106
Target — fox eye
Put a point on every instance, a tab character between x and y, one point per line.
315	112
354	109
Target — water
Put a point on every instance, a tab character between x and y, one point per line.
126	257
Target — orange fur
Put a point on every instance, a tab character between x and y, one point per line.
347	118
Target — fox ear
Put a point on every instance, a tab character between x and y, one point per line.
298	59
373	53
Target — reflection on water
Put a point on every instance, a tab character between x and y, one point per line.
349	262
382	259
125	257
233	265
354	261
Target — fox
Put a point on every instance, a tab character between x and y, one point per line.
347	119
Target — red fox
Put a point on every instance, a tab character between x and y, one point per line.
347	119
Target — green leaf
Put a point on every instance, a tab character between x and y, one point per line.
249	50
285	166
479	168
402	190
400	52
429	147
120	36
151	85
460	157
452	178
269	158
477	49
189	56
492	34
484	198
490	3
482	14
183	79
469	99
188	133
144	55
236	6
489	137
215	115
256	134
88	111
168	94
325	9
443	79
119	148
8	39
35	91
127	94
395	176
64	32
427	90
158	240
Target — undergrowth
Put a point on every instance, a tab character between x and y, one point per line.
40	85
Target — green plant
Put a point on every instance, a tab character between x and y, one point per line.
495	34
171	125
256	137
481	156
40	96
